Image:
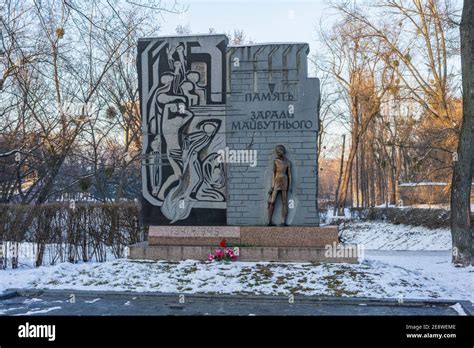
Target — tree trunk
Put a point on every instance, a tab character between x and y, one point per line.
357	174
336	200
393	181
347	173
363	175
462	174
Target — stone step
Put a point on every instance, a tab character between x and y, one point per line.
264	236
342	253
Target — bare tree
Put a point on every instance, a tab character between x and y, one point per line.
393	60
238	37
364	78
59	63
463	168
183	29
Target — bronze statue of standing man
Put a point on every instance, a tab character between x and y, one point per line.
281	184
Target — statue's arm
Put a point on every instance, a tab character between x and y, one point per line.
289	176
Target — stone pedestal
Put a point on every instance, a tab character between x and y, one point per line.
255	243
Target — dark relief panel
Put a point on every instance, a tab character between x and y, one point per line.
182	100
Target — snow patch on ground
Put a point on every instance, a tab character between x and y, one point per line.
375	235
35	311
458	308
93	301
412	275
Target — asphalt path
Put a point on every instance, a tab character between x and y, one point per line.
84	303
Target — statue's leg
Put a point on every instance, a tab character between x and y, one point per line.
271	205
270	214
284	207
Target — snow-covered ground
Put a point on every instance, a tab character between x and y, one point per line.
388	272
376	235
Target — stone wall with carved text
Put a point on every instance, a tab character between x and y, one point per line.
271	101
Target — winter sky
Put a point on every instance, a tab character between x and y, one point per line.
262	20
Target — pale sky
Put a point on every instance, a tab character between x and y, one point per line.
262	20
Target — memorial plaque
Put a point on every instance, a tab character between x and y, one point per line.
212	117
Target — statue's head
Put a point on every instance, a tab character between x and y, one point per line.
280	151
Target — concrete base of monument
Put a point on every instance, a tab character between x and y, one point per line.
256	243
346	253
267	236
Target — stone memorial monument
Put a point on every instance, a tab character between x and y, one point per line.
229	140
